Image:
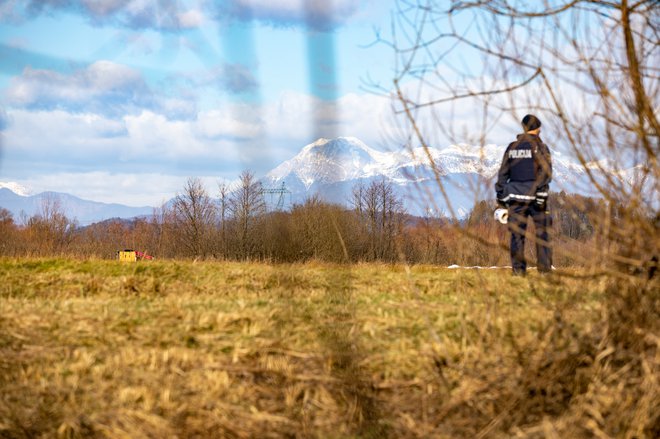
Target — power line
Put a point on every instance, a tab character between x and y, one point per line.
280	192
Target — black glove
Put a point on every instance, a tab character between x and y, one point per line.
540	201
501	204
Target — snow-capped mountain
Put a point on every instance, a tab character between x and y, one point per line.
331	161
347	158
16	188
330	168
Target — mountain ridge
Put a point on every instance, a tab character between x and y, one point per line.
331	168
467	173
85	212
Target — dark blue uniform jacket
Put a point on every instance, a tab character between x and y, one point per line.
525	173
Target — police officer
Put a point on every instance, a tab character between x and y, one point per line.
522	186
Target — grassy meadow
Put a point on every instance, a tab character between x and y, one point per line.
163	349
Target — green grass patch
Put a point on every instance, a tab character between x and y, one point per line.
92	348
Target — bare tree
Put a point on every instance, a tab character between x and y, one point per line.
322	231
194	214
358	198
50	230
8	242
381	212
246	206
224	193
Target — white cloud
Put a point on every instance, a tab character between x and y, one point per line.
229	132
190	19
46	149
133	189
152	136
238	122
39	141
4	119
39	131
167	15
316	14
107	75
365	116
104	87
36	87
9	11
101	8
233	78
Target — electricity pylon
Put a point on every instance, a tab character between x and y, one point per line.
280	192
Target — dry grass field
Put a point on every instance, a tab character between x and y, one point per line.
165	349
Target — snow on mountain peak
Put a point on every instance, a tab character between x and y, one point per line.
328	161
331	167
345	159
348	158
347	142
341	148
16	188
489	151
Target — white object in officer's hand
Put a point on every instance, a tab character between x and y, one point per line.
502	215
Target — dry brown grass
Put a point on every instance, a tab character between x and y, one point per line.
238	350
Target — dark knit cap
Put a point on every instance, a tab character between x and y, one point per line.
531	122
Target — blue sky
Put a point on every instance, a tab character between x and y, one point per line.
123	100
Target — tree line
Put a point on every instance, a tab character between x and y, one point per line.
237	225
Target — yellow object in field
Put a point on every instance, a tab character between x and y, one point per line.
127	256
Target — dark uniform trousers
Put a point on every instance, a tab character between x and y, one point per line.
518	213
